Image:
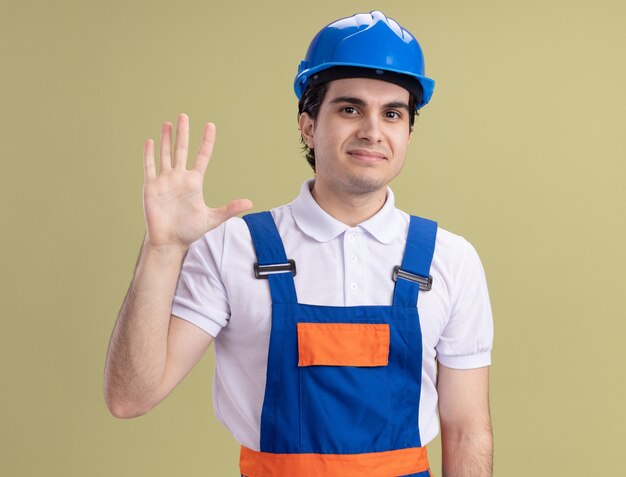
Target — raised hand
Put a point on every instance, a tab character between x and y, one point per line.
174	208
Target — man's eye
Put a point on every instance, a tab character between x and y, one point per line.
393	114
349	110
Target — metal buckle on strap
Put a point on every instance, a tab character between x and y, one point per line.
426	283
262	271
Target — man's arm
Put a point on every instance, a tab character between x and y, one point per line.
466	436
151	350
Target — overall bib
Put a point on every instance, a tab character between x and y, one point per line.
343	383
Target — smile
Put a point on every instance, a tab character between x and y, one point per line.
367	156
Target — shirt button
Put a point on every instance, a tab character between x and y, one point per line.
353	259
354	286
351	238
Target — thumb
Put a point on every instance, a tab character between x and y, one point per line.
231	209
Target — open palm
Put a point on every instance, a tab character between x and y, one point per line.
174	207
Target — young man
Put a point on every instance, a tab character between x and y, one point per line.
325	363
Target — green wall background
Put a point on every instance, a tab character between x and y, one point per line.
521	151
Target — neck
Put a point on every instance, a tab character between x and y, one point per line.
347	208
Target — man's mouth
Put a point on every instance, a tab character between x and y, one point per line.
367	155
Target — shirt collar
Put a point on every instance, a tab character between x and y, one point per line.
318	224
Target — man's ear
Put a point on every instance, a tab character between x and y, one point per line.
307	128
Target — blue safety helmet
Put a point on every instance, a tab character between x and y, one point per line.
366	40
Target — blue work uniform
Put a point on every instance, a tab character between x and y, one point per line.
343	384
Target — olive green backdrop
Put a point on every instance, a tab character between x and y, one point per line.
521	151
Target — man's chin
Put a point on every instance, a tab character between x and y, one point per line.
364	185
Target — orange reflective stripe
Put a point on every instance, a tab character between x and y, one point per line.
343	344
375	464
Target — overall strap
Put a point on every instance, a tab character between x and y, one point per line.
414	273
272	263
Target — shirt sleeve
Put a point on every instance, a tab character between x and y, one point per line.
467	338
200	296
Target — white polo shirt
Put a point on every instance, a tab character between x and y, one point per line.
337	265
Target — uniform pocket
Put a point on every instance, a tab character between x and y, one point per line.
344	389
343	344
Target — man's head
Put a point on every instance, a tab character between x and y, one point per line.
314	96
367	45
360	135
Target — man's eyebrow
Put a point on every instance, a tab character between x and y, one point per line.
397	105
348	99
360	102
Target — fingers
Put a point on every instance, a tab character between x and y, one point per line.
182	141
166	144
148	160
206	149
181	148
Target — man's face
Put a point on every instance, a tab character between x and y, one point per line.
360	135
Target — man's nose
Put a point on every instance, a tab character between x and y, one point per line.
370	128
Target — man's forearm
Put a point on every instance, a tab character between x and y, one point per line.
467	455
138	348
